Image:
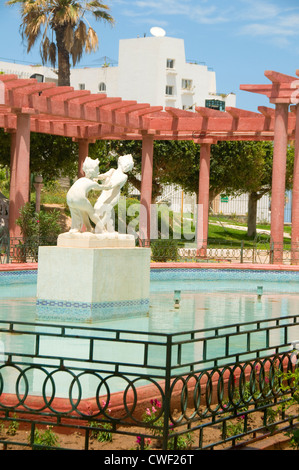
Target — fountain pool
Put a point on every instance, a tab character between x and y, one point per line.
210	298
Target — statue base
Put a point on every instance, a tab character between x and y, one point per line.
93	240
92	284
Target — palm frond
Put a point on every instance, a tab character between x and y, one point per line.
99	11
95	4
48	51
102	15
52	54
92	41
80	32
67	13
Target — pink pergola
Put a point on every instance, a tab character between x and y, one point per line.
283	93
43	107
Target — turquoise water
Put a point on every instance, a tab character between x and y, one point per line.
209	298
202	305
207	301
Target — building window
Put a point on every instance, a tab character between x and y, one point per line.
81	86
39	78
170	63
169	90
186	84
216	104
102	86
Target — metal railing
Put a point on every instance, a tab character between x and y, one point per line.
16	250
20	250
95	380
221	250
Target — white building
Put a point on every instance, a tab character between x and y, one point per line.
150	70
40	72
154	70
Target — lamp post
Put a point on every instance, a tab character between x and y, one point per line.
38	184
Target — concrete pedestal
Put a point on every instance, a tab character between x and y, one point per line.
91	284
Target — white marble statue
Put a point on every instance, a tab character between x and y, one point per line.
81	209
114	180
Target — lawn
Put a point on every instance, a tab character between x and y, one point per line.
219	235
234	237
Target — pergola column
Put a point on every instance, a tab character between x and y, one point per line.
19	172
295	196
146	186
83	153
278	180
203	198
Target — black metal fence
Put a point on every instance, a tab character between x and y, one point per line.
220	250
16	250
201	389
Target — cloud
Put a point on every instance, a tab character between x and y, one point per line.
270	30
198	11
259	10
165	7
276	23
272	20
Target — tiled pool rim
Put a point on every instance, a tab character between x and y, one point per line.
172	271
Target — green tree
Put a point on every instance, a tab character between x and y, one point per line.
237	167
4	147
246	167
51	156
68	20
174	162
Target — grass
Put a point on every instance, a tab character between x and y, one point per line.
231	237
56	195
234	237
219	235
241	221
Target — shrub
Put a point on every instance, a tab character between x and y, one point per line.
37	229
42	227
164	250
47	438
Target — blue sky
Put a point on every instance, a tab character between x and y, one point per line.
239	39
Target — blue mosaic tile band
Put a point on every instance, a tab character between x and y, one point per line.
86	311
16	277
169	274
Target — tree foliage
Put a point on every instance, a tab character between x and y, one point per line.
245	167
174	162
50	156
237	167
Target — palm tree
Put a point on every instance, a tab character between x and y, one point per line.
67	18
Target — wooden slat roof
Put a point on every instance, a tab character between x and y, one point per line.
83	115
